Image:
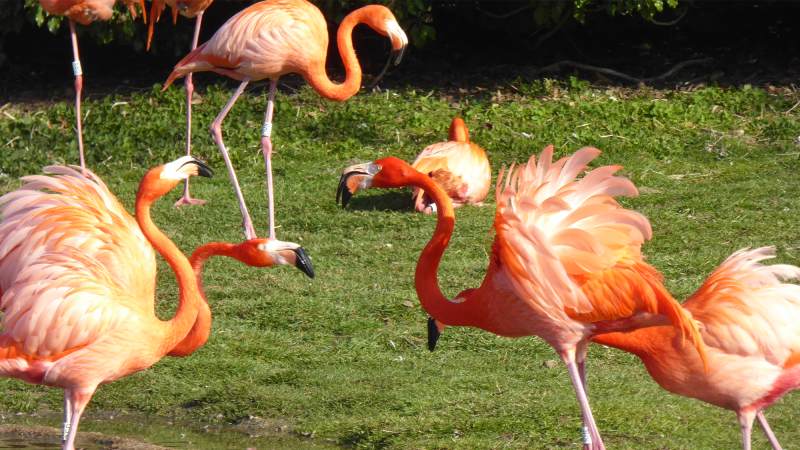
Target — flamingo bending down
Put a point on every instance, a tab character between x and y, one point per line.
85	12
77	283
273	38
190	9
460	167
565	264
259	252
752	339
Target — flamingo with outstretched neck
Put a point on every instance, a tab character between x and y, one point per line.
273	38
565	264
77	283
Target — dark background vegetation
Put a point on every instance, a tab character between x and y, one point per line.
457	43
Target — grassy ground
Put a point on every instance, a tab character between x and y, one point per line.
341	355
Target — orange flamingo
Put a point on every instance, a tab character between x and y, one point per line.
752	339
190	9
460	167
273	38
85	12
565	263
259	252
77	283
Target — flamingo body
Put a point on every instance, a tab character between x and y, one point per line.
749	327
460	167
81	11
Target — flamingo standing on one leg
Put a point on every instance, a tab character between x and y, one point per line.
85	12
565	264
190	9
273	38
460	167
77	283
259	252
752	339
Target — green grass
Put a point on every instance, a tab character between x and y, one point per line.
330	354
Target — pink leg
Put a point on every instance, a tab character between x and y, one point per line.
768	431
581	351
589	444
266	148
216	133
76	69
746	424
67	416
187	199
79	402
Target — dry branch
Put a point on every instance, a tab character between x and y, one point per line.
612	72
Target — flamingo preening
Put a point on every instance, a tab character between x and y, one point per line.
190	9
460	167
751	331
77	283
85	12
565	264
273	38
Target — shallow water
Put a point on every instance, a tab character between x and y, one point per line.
157	432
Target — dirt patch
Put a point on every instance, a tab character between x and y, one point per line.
38	433
258	427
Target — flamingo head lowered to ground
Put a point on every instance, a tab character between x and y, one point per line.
265	252
386	173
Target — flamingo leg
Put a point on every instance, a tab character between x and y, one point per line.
266	148
216	133
746	424
581	351
589	443
78	404
768	431
76	69
187	199
67	415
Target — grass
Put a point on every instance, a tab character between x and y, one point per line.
341	355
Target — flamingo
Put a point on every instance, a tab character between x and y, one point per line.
273	38
77	283
85	12
259	252
752	339
565	263
460	167
190	9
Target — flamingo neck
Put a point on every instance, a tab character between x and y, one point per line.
426	275
641	342
176	328
317	77
201	329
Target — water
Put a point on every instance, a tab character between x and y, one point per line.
255	434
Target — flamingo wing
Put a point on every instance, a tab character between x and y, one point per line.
746	309
461	168
266	40
83	11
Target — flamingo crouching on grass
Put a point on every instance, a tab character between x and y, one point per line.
565	266
273	38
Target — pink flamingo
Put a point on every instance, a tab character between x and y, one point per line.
273	38
565	264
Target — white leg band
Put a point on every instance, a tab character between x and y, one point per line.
586	436
266	131
64	430
76	68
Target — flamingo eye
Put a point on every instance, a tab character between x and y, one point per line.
378	167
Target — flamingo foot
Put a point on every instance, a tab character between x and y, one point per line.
189	201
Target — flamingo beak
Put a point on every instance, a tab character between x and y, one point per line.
399	40
435	329
303	262
355	178
202	169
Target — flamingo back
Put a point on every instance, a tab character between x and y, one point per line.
462	169
746	309
81	11
266	40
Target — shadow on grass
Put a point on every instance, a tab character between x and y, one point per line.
396	200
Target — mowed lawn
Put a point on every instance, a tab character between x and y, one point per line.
343	355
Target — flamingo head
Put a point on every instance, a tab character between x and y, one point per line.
264	252
384	173
90	11
160	180
381	19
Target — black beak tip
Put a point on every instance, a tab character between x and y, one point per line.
433	333
343	191
398	55
304	262
202	169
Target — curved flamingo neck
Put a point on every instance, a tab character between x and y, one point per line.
426	275
188	300
317	77
201	329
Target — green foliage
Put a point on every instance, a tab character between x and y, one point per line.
330	354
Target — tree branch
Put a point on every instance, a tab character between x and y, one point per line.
612	72
669	24
504	16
